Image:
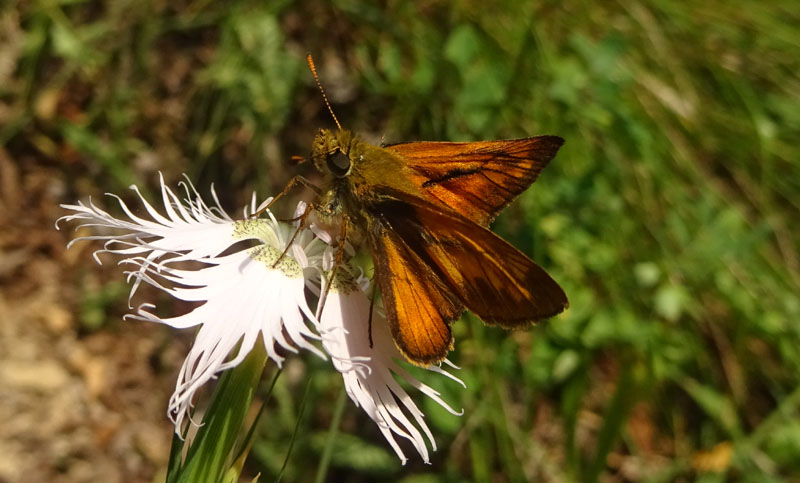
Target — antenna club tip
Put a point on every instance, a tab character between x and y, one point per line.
310	62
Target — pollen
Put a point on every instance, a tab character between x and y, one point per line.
268	255
259	228
343	282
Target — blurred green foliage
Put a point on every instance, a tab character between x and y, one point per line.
670	216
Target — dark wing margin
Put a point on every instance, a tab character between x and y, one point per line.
488	275
477	179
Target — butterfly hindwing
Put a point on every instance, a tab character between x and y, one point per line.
418	305
488	275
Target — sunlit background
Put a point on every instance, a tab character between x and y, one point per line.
670	217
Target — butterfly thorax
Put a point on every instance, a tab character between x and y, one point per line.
355	173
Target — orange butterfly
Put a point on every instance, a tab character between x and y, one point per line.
423	209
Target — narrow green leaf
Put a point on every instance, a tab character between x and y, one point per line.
246	444
210	453
338	411
613	421
296	428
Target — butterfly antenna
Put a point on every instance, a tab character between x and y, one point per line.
313	68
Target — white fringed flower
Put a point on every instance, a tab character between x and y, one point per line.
365	354
195	254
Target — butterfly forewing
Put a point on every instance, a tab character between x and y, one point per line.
477	179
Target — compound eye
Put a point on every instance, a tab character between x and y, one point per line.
339	164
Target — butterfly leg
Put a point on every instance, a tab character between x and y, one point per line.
336	262
303	218
371	305
297	180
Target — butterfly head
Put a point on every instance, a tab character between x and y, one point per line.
331	152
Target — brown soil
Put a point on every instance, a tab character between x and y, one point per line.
77	403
